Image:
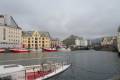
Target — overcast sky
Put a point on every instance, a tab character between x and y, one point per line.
87	18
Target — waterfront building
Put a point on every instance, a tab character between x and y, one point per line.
55	42
108	41
80	41
36	39
89	43
74	41
118	40
10	32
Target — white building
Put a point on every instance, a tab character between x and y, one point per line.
118	40
108	41
81	42
10	33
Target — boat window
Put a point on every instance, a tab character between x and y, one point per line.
6	78
9	66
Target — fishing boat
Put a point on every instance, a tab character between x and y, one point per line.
19	72
50	50
19	50
2	50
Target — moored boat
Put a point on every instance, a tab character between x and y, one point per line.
12	72
56	72
2	50
19	72
50	50
19	50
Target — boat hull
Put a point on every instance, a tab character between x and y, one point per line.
48	50
2	50
19	51
58	71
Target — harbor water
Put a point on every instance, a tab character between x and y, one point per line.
85	65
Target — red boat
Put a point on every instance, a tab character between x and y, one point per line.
50	50
2	50
19	50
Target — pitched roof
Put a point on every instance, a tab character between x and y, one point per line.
29	33
8	21
44	34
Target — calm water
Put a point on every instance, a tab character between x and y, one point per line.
86	65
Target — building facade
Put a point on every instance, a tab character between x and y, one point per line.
10	32
81	42
118	40
108	41
36	39
56	43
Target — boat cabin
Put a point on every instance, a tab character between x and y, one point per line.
12	72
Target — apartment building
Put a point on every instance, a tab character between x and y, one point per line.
36	39
10	32
108	41
81	42
55	42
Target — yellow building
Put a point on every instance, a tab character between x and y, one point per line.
36	39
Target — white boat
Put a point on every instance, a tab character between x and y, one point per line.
57	71
19	72
12	72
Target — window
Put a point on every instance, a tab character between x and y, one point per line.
35	38
29	46
6	78
28	41
28	38
4	34
43	45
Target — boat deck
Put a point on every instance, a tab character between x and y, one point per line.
41	75
35	75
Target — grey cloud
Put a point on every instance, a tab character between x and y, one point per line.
88	18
